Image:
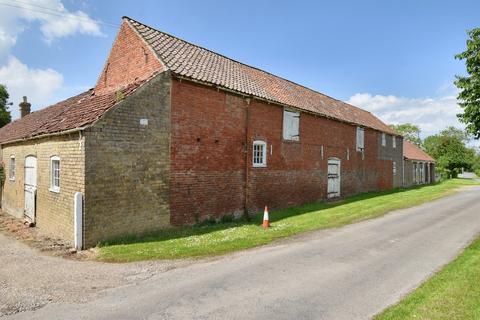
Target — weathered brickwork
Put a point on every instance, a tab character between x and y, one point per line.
127	165
54	214
394	154
408	171
208	153
296	173
212	173
129	60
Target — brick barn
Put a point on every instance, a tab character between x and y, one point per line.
173	133
419	167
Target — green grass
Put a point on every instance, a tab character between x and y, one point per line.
195	241
453	293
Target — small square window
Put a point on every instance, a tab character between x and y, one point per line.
11	171
55	174
394	141
384	139
259	154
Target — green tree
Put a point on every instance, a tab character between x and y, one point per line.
469	86
5	116
451	152
409	131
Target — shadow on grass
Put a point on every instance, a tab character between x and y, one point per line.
277	215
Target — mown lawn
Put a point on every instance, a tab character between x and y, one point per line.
196	241
453	293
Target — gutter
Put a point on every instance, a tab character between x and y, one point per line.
59	133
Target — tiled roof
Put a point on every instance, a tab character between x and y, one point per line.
73	113
412	152
194	62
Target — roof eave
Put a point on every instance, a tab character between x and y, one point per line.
243	94
46	135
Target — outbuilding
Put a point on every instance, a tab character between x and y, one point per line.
419	167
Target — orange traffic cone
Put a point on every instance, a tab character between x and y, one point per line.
266	221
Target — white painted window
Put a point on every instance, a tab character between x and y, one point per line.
291	125
394	141
394	168
384	140
259	153
360	139
55	174
11	168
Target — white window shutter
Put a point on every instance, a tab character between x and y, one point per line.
291	125
360	138
286	125
295	126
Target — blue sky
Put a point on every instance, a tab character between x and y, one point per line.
394	58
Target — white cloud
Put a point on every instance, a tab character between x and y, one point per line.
54	19
42	86
38	84
431	114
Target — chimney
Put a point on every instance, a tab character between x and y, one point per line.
24	107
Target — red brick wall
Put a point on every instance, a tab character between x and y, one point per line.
130	60
208	156
207	153
296	172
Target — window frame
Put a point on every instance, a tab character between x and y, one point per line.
53	186
384	139
287	116
12	169
362	135
394	142
394	168
262	164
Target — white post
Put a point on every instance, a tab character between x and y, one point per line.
78	220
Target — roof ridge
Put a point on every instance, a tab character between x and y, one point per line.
239	62
213	68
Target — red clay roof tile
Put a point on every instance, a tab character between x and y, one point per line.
412	152
191	61
187	60
73	113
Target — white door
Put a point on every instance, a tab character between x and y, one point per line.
30	187
333	189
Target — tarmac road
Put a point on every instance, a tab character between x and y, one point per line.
352	272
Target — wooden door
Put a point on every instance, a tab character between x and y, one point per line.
334	175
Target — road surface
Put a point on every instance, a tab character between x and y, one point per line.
352	272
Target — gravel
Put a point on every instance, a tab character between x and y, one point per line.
31	278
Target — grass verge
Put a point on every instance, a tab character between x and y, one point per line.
453	293
195	241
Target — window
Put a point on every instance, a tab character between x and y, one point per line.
291	125
11	171
259	154
55	174
394	168
414	172
360	139
394	141
384	140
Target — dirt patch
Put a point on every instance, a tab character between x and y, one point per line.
34	271
20	230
